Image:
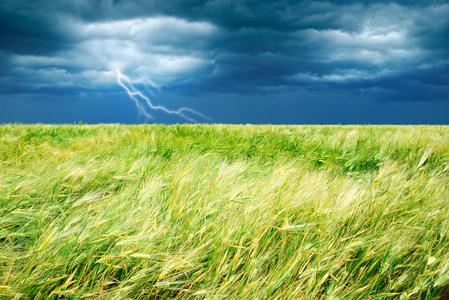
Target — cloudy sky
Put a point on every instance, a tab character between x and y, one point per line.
170	61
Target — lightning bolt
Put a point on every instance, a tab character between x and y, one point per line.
135	94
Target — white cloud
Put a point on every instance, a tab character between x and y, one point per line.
372	45
157	30
368	37
341	75
38	60
380	34
153	47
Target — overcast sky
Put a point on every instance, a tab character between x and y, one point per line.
282	62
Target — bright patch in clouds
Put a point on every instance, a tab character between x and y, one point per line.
341	75
371	45
148	29
151	47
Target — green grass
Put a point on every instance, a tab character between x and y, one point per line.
221	211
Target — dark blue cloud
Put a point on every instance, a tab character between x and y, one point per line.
378	52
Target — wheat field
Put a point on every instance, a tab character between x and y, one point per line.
224	211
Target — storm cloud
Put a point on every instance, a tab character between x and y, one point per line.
387	52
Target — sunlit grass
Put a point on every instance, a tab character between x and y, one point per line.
197	211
